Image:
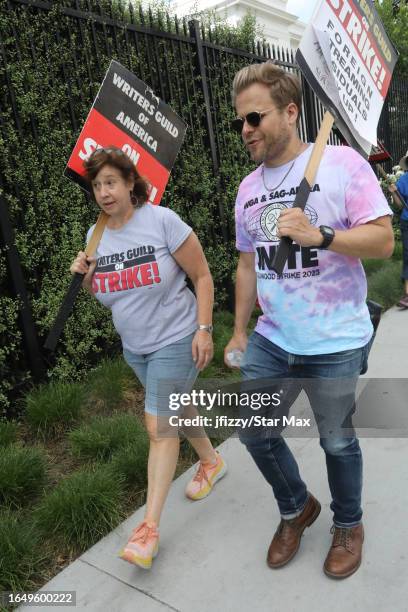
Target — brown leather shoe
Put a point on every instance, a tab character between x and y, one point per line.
286	541
344	556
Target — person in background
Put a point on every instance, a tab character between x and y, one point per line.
139	273
402	187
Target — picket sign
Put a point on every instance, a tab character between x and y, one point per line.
125	114
347	59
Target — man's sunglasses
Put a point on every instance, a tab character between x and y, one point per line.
253	119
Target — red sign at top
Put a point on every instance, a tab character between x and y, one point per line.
126	114
358	29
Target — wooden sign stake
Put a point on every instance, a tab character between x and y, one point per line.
305	187
75	286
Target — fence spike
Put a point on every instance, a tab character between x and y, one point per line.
131	13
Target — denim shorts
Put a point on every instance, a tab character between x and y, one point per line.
166	371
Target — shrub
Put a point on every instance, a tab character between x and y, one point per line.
397	254
223	327
104	435
21	555
52	408
130	462
22	474
82	508
8	433
109	381
384	286
372	265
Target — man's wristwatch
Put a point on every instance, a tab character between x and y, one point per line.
328	235
207	328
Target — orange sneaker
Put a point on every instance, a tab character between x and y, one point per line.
143	545
205	478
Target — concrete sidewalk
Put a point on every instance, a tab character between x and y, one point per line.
212	552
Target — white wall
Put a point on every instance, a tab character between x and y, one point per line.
278	26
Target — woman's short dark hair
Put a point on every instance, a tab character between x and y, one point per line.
112	156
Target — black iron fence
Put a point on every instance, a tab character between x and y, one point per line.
52	59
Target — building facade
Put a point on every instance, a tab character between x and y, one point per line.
279	27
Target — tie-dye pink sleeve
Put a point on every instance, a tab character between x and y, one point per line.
365	200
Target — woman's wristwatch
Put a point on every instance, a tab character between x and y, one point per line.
207	328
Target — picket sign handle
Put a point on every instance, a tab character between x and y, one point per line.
283	250
319	147
97	234
75	286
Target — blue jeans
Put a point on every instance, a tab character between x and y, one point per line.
329	381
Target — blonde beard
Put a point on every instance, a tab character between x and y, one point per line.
275	150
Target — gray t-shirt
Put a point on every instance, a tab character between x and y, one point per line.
142	284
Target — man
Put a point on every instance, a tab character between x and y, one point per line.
315	323
402	187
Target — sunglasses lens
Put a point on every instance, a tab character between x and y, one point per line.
254	119
237	125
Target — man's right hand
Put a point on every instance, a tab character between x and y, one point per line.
238	342
84	265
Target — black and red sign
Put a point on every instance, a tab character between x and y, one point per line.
128	115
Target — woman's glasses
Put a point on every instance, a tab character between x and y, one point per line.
253	119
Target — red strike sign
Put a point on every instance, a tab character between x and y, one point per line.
97	130
358	28
128	115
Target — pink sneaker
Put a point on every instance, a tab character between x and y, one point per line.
143	546
205	478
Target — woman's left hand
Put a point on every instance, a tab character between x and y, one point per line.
202	349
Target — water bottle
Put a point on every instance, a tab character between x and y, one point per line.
235	358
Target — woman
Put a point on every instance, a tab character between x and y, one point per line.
139	273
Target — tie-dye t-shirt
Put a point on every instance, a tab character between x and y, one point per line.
318	305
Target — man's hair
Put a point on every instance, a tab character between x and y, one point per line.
284	87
